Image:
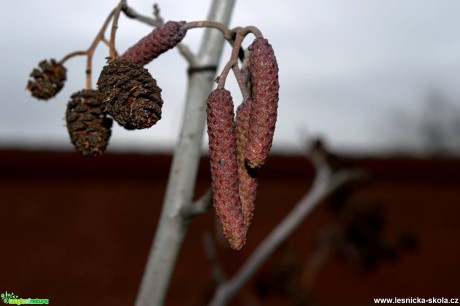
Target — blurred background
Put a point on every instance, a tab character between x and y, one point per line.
378	81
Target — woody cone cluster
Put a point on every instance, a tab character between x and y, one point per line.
88	126
224	169
130	94
47	80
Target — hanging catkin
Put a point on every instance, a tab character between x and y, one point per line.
224	168
246	176
263	70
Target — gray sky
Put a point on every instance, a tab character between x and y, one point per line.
346	67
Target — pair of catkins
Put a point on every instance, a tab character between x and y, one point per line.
239	146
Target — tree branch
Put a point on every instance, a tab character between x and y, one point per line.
172	227
131	13
325	183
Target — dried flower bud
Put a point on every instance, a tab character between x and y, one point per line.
88	126
160	40
224	168
47	80
246	176
130	94
263	70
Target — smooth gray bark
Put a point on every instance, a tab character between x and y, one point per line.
172	225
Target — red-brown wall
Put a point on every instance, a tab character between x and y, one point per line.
77	231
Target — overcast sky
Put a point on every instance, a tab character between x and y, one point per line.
346	67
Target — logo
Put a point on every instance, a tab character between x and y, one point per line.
12	299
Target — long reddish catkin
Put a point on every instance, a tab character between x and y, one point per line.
263	70
160	40
246	176
224	169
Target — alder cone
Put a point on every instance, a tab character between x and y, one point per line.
246	176
47	80
88	126
263	70
130	94
224	168
160	40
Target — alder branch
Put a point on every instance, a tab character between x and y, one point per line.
325	183
131	13
181	183
90	51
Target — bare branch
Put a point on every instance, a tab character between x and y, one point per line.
90	51
113	31
131	13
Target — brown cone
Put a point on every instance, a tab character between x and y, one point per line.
130	94
89	128
47	80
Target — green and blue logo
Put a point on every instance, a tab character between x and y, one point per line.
12	299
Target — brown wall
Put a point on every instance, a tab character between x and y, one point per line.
78	231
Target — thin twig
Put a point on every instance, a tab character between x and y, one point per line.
72	54
116	16
156	13
92	48
233	61
228	34
254	30
232	64
131	13
90	51
200	206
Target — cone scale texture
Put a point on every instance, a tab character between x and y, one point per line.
130	94
160	40
89	128
224	168
246	176
48	80
263	70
